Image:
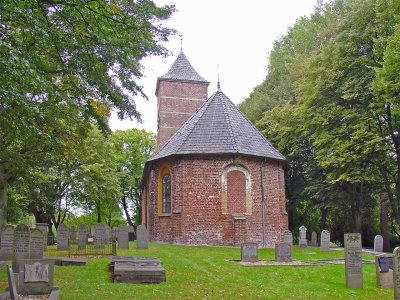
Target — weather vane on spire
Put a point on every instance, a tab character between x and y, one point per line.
218	84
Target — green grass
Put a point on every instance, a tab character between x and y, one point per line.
205	273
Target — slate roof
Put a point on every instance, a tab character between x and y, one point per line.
218	127
181	69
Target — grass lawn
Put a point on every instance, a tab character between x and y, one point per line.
204	273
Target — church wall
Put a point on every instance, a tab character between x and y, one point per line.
197	216
177	101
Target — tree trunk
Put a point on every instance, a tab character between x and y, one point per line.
98	214
3	198
384	221
324	216
125	207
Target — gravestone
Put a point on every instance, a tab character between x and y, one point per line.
325	240
11	284
283	252
122	237
7	243
249	252
21	242
131	233
72	235
384	271
303	237
62	237
142	237
36	244
314	241
34	276
100	236
288	237
82	236
44	228
353	260
378	243
107	233
396	273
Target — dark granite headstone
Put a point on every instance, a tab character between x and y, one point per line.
7	243
249	252
21	242
36	244
62	237
353	260
384	270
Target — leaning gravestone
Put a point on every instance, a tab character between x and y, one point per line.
12	287
384	271
36	244
249	252
21	242
62	237
378	243
82	236
7	243
314	241
283	252
288	237
325	240
303	237
142	237
396	273
353	260
100	236
122	237
44	228
72	235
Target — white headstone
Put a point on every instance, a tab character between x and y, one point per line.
303	237
325	240
378	243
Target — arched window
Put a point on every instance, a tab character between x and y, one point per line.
166	194
165	191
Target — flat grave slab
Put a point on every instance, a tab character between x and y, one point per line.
137	270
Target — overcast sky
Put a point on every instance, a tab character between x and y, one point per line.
235	35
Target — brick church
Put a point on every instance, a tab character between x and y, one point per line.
215	180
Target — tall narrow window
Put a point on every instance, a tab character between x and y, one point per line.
166	194
165	191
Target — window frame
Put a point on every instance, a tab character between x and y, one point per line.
165	170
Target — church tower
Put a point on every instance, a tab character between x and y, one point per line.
180	92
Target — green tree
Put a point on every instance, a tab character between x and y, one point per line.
132	148
73	53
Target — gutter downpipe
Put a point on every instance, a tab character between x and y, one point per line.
263	204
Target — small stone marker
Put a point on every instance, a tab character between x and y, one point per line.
7	243
36	244
283	252
44	228
249	252
142	237
11	284
62	237
353	260
82	236
21	242
314	241
72	235
123	237
325	240
384	271
288	237
303	237
396	273
378	243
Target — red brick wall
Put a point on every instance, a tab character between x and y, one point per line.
177	101
197	216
